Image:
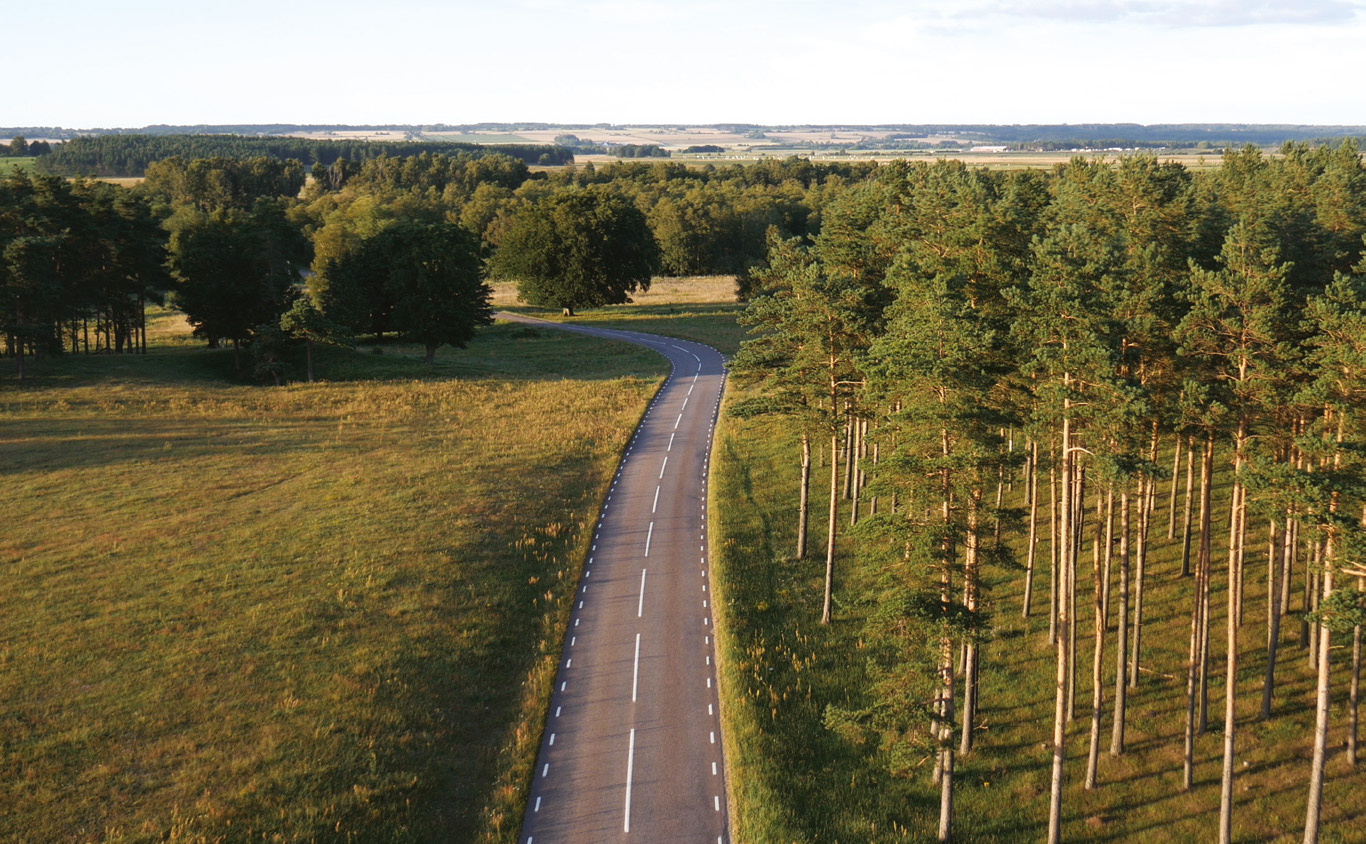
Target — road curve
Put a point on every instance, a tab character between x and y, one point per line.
632	745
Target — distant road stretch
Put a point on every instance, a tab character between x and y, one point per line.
632	746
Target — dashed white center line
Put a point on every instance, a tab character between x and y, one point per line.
655	506
538	805
640	607
680	419
635	675
663	466
648	535
685	404
630	768
671	442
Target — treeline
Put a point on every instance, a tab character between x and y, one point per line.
78	263
19	147
130	155
574	143
231	236
950	332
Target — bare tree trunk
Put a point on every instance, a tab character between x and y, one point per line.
872	502
1071	597
1097	699
945	765
1054	550
1171	504
970	575
1190	492
830	533
1000	492
1032	488
1273	615
1195	669
803	507
1109	555
849	457
1204	561
1315	803
1231	662
1354	693
1060	690
1122	629
855	472
1141	555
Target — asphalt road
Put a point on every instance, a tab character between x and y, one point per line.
632	746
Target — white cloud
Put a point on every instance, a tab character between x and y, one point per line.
1166	13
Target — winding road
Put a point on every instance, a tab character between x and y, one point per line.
632	745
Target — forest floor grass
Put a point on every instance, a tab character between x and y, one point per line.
791	779
315	612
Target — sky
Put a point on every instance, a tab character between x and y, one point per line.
94	63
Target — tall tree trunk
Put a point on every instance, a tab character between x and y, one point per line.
1204	562
1274	557
803	507
1060	690
849	457
1054	546
1190	492
1141	559
855	472
1097	698
1171	504
945	766
830	532
970	575
1109	551
1122	629
1195	667
1032	490
1354	692
1315	802
1071	597
1231	645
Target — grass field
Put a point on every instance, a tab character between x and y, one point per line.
702	309
310	613
793	780
15	165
